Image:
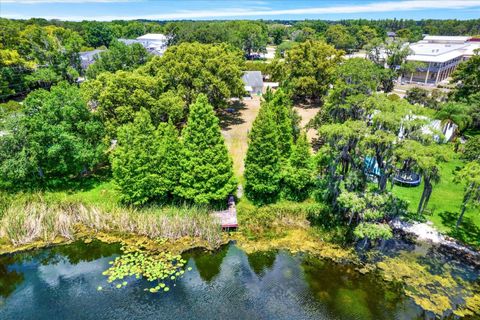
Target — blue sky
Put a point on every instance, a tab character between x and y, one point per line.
238	9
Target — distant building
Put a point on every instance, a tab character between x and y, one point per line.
440	56
88	57
391	34
155	43
253	81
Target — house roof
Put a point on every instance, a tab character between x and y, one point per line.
88	55
441	52
253	79
153	37
459	39
129	41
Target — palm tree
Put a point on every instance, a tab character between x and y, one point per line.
455	113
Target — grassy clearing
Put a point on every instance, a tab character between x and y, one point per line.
40	220
235	127
445	203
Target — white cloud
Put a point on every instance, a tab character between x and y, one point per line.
373	7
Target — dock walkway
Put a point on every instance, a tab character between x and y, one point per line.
228	218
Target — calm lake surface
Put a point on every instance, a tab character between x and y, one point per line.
61	283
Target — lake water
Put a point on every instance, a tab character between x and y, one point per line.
61	283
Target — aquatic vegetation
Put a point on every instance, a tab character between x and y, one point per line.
299	240
158	267
39	220
439	293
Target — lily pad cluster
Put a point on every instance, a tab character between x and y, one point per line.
161	268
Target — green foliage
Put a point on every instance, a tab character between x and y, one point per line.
119	56
206	167
273	220
340	37
469	177
467	75
98	34
8	109
277	32
471	150
417	95
250	36
373	231
457	113
161	267
282	112
55	138
55	52
262	164
145	160
116	98
193	68
297	174
309	69
14	71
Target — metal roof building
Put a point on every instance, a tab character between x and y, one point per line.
440	56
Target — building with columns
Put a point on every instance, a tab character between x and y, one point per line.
440	56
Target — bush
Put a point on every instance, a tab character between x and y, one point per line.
472	149
273	220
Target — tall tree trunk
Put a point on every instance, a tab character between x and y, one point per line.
426	185
466	197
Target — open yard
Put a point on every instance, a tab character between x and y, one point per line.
236	122
445	203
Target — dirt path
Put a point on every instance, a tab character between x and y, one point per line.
307	114
236	123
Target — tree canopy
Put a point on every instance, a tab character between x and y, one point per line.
206	175
194	68
309	69
119	56
54	138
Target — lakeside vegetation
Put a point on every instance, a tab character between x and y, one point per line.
137	150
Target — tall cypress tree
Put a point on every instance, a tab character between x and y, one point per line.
145	161
168	155
282	111
262	164
206	168
133	162
297	178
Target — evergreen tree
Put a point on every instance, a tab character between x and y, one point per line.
144	162
262	164
283	117
206	168
297	177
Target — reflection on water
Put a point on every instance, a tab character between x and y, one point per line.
61	283
9	279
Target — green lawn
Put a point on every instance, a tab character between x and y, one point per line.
445	203
100	193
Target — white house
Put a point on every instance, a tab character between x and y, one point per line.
440	56
155	43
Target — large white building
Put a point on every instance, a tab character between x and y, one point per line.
440	56
155	43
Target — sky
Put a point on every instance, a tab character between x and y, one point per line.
105	10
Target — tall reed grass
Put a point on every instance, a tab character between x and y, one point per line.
25	222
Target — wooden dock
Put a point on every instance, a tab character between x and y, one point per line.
228	218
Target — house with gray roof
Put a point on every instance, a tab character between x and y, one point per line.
89	57
253	81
